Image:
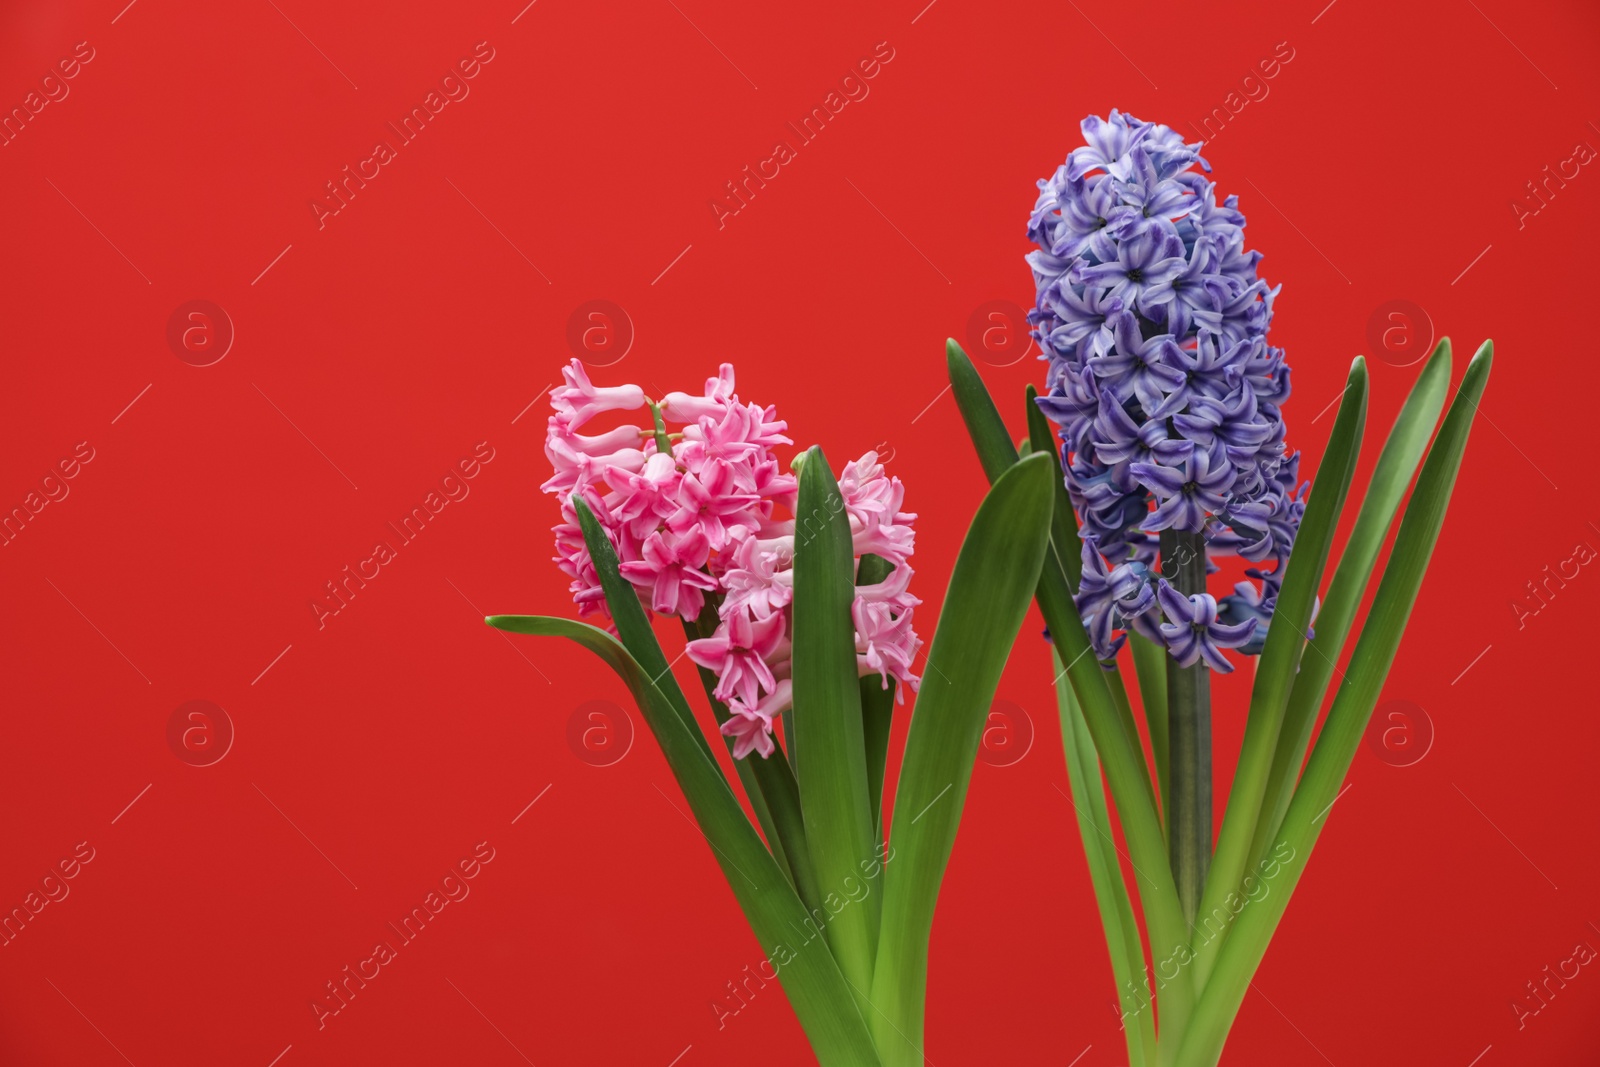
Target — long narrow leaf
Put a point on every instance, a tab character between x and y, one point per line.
827	716
1064	524
633	625
1397	463
1105	874
1127	774
994	575
1347	719
817	991
1280	659
990	440
1150	665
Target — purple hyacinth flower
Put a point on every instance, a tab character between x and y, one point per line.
1152	317
1247	604
1195	633
1107	143
1088	329
1091	220
1187	299
1148	257
1140	367
1107	599
1234	422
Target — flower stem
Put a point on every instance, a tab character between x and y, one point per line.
1183	563
663	439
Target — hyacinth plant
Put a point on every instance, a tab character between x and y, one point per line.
793	593
1169	446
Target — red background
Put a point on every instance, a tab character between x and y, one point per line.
381	348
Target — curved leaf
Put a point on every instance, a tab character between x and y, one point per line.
994	577
816	989
1397	463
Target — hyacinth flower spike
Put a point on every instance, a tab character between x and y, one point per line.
793	591
1139	272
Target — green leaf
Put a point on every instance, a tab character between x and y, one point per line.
828	717
995	451
1150	665
1122	757
1064	523
1280	659
1105	873
816	989
1397	463
633	625
877	707
768	783
1347	720
987	600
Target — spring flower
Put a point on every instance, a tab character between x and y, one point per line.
751	727
702	521
738	652
885	642
1195	633
1163	385
670	568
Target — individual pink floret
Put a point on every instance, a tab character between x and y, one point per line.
671	571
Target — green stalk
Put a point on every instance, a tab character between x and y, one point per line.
877	707
1183	564
1280	659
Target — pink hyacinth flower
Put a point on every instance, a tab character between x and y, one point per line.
738	652
754	583
893	590
681	407
646	498
751	728
714	501
885	643
671	571
893	542
750	732
579	400
596	444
